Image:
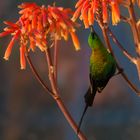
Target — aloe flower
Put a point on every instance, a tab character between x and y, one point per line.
35	25
87	10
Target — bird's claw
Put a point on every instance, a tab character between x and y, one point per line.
121	70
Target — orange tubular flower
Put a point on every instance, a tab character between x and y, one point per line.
10	46
104	9
61	25
35	25
22	57
138	1
88	9
75	41
115	13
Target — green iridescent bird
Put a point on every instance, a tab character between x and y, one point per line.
102	68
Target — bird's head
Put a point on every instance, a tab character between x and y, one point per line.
93	39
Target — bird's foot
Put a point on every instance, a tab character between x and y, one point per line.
100	90
121	70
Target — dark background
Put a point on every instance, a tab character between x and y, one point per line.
28	113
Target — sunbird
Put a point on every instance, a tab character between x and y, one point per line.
102	68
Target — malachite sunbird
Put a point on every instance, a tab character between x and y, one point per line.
102	68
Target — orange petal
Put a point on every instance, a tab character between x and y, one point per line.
62	24
10	46
8	29
85	16
37	34
64	34
138	1
90	16
79	3
34	22
22	57
104	10
77	13
3	34
40	23
32	44
11	24
85	4
44	15
75	41
40	44
26	26
27	4
95	5
53	14
68	11
24	11
115	12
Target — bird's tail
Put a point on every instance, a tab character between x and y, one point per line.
90	95
89	98
80	122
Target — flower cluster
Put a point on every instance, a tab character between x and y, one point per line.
88	10
35	25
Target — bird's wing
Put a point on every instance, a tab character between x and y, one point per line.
91	82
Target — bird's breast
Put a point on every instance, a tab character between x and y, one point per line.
99	64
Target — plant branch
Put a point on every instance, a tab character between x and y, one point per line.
125	3
124	51
55	57
58	99
54	93
104	30
125	19
37	76
134	27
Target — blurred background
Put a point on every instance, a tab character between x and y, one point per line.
28	113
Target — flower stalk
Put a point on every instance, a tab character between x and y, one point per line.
134	28
55	56
37	76
58	99
54	93
124	51
131	85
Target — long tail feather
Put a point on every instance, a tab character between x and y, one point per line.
89	97
80	122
